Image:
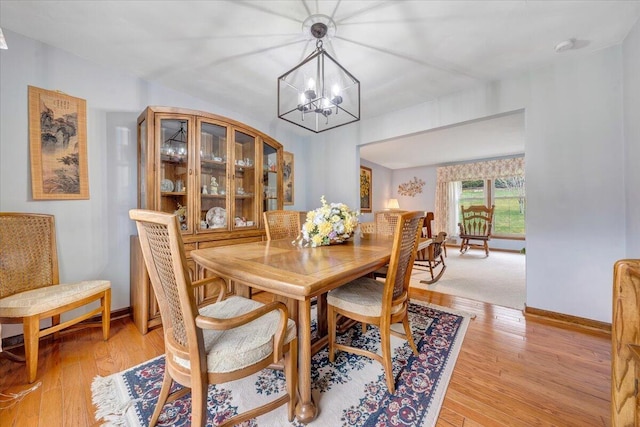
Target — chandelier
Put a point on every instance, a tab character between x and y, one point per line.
319	94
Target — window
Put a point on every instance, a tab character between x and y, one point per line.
508	196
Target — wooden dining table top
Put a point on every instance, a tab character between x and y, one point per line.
285	268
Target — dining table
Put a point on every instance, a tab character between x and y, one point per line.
296	274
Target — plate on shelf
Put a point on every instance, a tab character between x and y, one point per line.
166	185
216	217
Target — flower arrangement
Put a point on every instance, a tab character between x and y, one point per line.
330	223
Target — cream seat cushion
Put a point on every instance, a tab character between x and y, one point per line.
41	300
362	296
237	348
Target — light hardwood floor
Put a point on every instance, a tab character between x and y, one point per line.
512	371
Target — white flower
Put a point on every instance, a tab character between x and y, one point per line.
329	223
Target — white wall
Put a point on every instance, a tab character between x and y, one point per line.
631	71
93	235
382	189
574	171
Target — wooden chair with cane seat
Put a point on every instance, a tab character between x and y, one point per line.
30	289
226	340
280	224
475	224
369	301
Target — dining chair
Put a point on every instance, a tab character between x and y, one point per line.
280	224
225	340
366	301
386	222
30	288
475	224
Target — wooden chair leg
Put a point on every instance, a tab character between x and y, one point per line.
331	316
486	248
105	301
199	403
162	398
31	341
409	335
385	344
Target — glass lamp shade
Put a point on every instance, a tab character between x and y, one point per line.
318	94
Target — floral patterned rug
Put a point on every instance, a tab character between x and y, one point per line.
349	392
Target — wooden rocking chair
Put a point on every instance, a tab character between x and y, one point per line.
475	224
432	257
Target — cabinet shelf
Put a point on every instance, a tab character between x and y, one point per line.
173	159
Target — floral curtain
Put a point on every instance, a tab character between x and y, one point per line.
445	193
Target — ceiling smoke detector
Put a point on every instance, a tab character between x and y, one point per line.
565	45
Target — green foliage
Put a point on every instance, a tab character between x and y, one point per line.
509	213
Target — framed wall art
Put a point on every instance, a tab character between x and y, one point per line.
287	177
366	189
58	145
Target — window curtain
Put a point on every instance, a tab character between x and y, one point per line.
447	190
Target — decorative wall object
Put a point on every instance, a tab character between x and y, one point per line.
411	188
287	177
366	189
58	145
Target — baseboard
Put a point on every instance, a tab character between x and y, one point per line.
568	319
457	247
18	340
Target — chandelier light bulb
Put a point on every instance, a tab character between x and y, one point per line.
335	90
312	84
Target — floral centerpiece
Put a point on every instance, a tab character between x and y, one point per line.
329	224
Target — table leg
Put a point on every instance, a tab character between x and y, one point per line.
306	410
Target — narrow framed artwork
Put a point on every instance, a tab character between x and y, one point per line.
287	177
366	189
58	145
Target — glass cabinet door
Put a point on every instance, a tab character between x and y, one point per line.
213	182
244	181
270	178
174	135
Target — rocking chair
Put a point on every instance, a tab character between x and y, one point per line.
475	224
432	257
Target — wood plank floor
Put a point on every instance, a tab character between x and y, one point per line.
512	371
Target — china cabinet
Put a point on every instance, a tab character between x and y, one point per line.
217	175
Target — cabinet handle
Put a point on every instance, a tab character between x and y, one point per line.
190	171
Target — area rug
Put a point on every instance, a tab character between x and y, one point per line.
349	392
498	279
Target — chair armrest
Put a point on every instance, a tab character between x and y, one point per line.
206	322
213	280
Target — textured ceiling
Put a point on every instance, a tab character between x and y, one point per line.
403	52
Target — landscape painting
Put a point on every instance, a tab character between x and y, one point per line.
58	145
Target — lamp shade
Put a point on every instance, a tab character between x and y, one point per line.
393	204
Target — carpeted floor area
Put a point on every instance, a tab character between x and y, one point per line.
498	279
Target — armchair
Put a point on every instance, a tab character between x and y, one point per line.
229	339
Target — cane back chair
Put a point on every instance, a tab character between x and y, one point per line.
475	225
280	224
226	340
371	302
30	289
